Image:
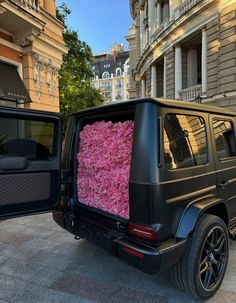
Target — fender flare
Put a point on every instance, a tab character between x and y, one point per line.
192	213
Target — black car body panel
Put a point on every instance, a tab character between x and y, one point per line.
169	201
165	199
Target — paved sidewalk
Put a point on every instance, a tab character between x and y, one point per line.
39	262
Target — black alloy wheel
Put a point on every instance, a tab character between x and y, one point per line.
213	258
201	270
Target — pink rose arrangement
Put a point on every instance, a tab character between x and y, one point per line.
104	166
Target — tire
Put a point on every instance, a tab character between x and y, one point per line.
201	270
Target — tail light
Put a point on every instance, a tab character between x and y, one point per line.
142	232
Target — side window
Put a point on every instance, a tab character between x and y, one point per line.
185	141
26	138
224	138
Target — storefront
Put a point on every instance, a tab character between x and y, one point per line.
12	89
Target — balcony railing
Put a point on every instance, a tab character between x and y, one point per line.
191	93
106	87
161	28
184	7
33	5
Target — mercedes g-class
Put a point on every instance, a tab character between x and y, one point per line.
153	181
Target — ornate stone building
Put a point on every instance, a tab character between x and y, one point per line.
31	50
184	50
111	74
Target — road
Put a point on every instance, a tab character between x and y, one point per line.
41	263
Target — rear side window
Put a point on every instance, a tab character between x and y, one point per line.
32	139
185	142
224	138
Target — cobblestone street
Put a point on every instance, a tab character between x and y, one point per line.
39	262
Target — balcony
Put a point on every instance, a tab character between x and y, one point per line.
21	18
191	93
29	5
161	28
106	87
185	7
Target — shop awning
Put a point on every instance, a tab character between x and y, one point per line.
11	85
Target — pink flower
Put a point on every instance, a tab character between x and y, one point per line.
104	166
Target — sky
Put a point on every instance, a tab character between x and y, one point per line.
100	23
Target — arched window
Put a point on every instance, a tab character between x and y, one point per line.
105	75
118	72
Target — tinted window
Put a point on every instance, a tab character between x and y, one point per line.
26	138
224	138
185	142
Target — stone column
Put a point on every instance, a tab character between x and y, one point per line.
164	76
142	30
178	71
165	11
191	67
154	81
151	18
146	27
158	10
172	8
204	61
137	36
143	88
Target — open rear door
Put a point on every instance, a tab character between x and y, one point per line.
30	150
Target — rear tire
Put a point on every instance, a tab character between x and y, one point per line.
202	268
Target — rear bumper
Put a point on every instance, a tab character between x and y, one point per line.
149	259
144	257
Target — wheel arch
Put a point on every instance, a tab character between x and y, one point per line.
191	214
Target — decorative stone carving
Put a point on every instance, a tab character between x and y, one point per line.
45	72
184	7
26	38
33	5
52	73
38	73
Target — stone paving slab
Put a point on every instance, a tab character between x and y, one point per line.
41	263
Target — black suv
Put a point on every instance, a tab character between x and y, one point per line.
182	185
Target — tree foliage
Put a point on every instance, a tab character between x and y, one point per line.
75	90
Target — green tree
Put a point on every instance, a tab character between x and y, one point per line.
75	90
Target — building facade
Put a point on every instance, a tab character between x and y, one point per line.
31	52
184	49
111	74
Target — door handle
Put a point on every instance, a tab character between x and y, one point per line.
223	184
